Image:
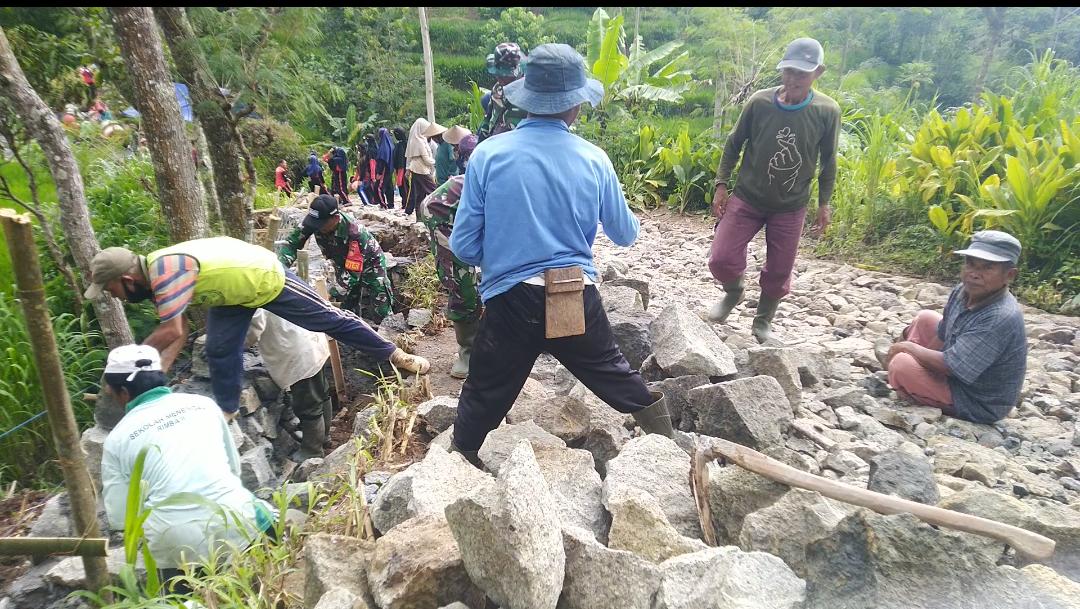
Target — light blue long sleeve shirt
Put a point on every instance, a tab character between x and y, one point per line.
532	200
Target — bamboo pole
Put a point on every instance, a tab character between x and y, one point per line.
429	70
303	263
31	292
41	546
273	223
335	352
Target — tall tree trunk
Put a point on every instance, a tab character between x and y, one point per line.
206	177
155	98
212	110
995	21
429	70
74	215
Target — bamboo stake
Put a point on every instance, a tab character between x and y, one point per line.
273	223
31	292
335	352
303	263
41	546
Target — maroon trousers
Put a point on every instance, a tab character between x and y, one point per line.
741	221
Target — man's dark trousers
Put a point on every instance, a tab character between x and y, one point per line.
511	337
297	303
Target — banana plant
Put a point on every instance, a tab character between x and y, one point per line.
679	158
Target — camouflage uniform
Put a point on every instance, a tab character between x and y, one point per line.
368	289
459	279
500	115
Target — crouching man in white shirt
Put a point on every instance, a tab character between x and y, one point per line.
191	451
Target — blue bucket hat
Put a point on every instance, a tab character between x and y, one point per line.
555	81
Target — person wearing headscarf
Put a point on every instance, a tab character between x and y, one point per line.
371	181
419	166
399	162
459	279
384	168
339	167
314	172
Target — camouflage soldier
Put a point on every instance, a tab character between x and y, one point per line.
499	114
357	257
460	280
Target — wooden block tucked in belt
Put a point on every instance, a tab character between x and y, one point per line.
564	302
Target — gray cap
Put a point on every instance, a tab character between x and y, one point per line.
993	245
803	54
108	264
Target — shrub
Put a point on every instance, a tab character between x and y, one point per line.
457	71
269	141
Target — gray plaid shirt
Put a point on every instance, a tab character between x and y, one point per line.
986	353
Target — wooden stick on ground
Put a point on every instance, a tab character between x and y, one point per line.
335	352
1025	542
273	223
31	292
41	546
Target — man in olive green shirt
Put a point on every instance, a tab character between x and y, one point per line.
785	130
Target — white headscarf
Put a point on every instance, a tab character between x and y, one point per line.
417	142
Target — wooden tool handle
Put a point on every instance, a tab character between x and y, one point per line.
1030	544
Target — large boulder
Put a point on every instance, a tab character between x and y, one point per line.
735	493
1063	526
752	411
632	334
93	446
967	460
576	487
782	365
502	441
426	487
562	416
728	578
683	344
404	574
788	526
870	560
638	525
621	299
510	536
601	578
677	392
656	465
336	561
255	469
607	429
905	472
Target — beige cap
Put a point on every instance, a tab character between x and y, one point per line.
454	135
107	265
433	130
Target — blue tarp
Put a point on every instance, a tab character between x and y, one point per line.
183	97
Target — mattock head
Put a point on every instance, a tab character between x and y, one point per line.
699	486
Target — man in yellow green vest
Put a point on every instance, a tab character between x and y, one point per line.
233	278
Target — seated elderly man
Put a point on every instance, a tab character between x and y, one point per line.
970	360
190	451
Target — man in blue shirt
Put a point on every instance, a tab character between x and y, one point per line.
531	201
970	360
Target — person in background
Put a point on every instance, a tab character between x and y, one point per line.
785	130
444	155
371	184
339	169
86	73
189	449
453	136
399	164
295	359
520	217
314	173
384	168
500	116
419	165
969	360
281	178
463	306
359	260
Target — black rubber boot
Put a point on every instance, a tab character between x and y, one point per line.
766	310
655	418
311	444
733	295
466	333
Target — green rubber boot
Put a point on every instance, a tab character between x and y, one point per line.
466	334
766	310
655	418
733	295
311	444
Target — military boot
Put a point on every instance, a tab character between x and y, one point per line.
311	444
466	333
733	295
766	310
655	418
